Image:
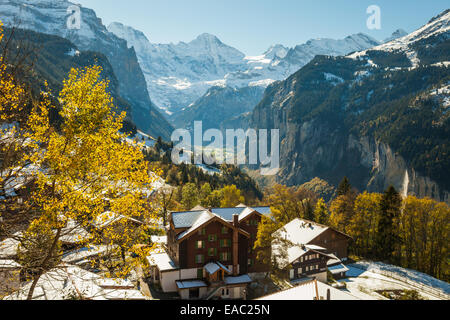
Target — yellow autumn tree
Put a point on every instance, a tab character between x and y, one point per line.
363	225
231	197
84	169
12	102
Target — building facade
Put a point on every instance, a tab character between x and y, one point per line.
209	253
306	249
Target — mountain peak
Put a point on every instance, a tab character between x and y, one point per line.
208	38
399	33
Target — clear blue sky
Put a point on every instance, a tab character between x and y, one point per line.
254	25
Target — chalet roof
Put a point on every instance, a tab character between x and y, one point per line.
338	269
227	213
190	284
213	267
84	253
243	279
187	218
203	218
300	231
162	261
310	290
334	260
293	253
315	247
107	218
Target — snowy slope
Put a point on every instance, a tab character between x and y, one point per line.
179	74
439	26
397	34
412	276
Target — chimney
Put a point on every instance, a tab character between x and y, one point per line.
236	220
235	244
328	294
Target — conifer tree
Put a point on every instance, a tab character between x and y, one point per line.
344	187
387	237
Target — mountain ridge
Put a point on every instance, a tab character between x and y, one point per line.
376	116
177	79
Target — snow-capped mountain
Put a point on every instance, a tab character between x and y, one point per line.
397	34
383	111
429	37
51	17
179	74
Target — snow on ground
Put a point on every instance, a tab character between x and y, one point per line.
364	284
411	275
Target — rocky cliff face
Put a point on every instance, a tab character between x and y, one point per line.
316	149
51	17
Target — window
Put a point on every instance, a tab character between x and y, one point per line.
199	273
300	270
224	230
212	237
225	256
250	262
202	232
291	274
225	243
200	244
212	252
199	258
301	259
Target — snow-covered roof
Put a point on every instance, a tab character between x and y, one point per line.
123	294
309	290
190	284
84	253
162	261
67	281
243	279
315	247
159	239
8	248
300	231
213	267
107	218
73	233
338	269
293	253
334	260
108	283
9	264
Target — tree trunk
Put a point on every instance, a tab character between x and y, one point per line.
33	286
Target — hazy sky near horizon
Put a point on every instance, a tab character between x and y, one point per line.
252	26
